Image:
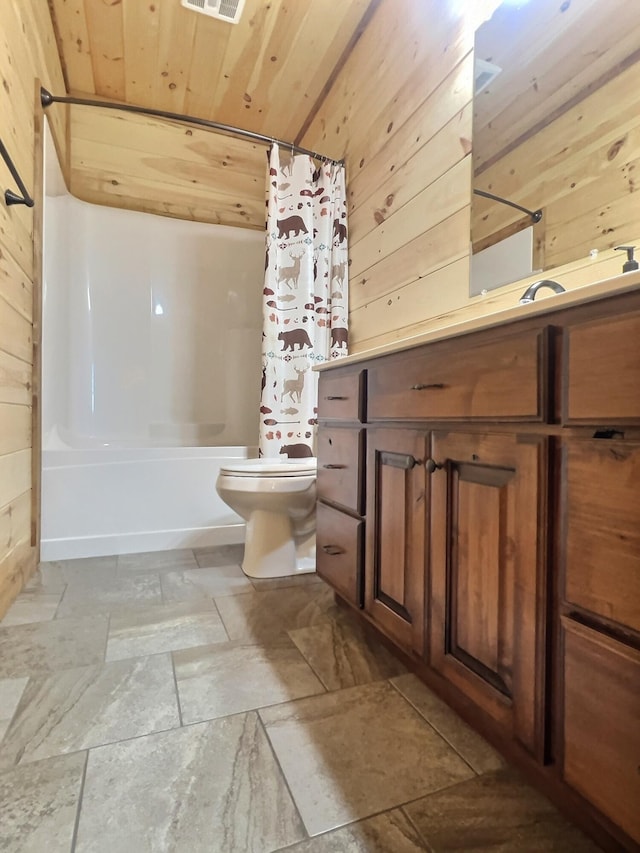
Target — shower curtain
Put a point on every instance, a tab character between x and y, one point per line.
305	297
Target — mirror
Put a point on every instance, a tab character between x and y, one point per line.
556	128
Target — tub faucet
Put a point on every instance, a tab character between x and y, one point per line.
530	293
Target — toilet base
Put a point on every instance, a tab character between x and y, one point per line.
270	549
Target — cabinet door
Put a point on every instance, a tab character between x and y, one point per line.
600	529
396	521
601	726
341	466
339	546
487	574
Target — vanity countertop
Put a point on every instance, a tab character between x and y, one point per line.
461	323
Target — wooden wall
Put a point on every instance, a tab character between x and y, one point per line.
27	52
581	170
400	111
140	163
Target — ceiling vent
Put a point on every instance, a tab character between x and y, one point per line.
224	10
484	73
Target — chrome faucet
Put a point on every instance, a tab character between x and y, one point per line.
530	293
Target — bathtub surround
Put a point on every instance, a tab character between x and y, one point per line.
151	328
151	364
305	297
99	501
194	748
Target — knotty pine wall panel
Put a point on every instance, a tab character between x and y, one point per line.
27	52
141	163
580	170
400	114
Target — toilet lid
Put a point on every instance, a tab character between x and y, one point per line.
271	467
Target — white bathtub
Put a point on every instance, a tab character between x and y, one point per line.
106	500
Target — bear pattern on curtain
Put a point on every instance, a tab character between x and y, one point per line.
305	297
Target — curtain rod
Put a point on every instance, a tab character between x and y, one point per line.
9	196
536	215
46	99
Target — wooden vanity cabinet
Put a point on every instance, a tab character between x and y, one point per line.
488	574
497	380
600	531
397	506
598	566
600	723
499	474
340	483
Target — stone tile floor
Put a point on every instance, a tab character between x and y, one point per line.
165	703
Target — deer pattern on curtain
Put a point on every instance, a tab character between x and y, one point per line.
305	297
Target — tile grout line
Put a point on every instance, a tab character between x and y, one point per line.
62	595
222	622
182	724
153	733
446	787
20	762
310	665
363	819
15	714
282	773
431	726
175	686
74	836
96	746
411	823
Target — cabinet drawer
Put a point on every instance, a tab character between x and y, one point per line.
601	528
602	723
340	467
504	379
339	545
341	395
602	371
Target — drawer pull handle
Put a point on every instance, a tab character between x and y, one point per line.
335	398
424	387
432	466
333	465
332	550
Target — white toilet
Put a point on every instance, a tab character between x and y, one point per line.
278	501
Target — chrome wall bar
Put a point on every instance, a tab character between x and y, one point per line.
9	196
46	99
536	215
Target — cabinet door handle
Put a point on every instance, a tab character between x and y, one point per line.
431	465
335	398
333	465
424	387
399	460
332	550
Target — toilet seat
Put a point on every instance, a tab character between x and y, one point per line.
270	468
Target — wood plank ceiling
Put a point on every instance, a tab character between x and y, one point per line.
264	74
270	74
